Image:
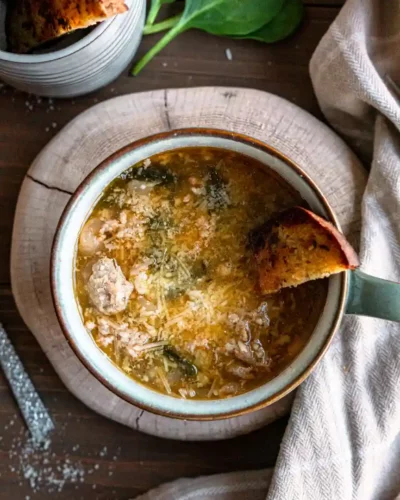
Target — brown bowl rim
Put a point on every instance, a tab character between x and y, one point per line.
209	132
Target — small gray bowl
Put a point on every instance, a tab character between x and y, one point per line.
89	63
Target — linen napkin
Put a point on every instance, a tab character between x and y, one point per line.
343	438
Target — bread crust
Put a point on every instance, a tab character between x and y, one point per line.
296	246
33	22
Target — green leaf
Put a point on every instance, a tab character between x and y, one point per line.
283	25
155	9
230	17
186	366
220	17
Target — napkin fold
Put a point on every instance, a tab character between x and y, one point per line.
343	438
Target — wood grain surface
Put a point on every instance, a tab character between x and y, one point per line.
133	462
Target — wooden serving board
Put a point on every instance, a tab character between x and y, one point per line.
102	130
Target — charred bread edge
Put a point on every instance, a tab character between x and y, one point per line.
299	215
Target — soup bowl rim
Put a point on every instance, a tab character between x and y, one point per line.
56	289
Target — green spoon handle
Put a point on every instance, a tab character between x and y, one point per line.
370	296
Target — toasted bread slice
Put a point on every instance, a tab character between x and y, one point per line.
33	22
298	246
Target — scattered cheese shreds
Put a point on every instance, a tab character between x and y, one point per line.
228	54
42	468
49	469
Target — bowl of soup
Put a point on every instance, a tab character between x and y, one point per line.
155	283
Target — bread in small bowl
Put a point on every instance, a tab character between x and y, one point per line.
30	23
296	246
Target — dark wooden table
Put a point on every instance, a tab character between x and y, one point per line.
116	462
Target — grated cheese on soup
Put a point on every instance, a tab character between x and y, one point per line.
167	282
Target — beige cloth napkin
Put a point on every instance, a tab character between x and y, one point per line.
343	437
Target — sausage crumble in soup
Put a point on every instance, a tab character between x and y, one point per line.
167	282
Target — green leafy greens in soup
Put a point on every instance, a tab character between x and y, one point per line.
167	282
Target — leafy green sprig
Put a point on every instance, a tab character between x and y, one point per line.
267	21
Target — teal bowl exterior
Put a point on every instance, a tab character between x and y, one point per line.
371	296
62	283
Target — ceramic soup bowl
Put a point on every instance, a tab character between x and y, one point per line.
348	292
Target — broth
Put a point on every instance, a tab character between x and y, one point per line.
167	283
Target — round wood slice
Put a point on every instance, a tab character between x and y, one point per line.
102	130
